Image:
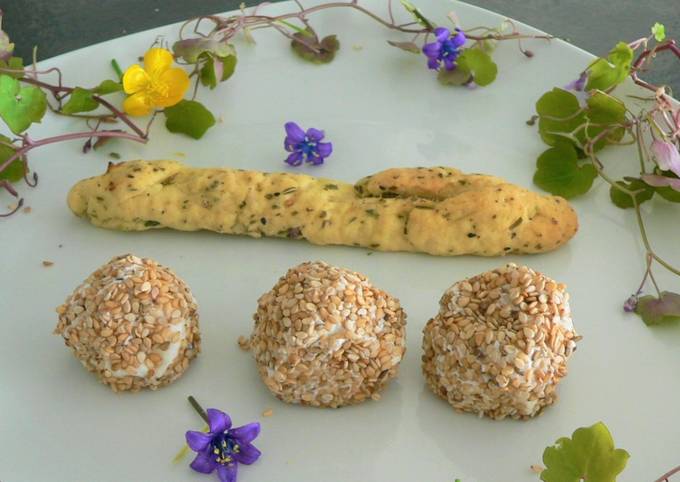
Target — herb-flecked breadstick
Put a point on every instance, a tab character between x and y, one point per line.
439	211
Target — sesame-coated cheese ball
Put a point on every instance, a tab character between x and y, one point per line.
500	343
133	323
326	337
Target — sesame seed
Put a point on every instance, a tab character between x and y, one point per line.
107	321
497	348
322	334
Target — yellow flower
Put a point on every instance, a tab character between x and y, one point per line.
156	85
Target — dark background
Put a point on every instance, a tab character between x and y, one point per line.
58	26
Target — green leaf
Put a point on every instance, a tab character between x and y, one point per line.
208	73
14	63
15	171
624	200
559	111
605	109
189	117
457	76
659	32
216	69
80	100
588	455
558	172
479	64
607	73
655	311
20	106
668	193
107	86
325	49
489	45
420	18
228	66
191	49
609	111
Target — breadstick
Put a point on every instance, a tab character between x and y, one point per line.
439	211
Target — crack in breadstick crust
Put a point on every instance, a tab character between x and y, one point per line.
439	211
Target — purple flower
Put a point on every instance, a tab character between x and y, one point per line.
305	146
579	84
445	49
223	447
666	156
630	304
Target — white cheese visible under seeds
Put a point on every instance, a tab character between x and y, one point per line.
505	361
324	336
132	322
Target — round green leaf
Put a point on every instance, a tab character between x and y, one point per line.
668	193
80	100
13	63
659	32
588	455
558	172
458	76
15	171
325	49
216	69
107	86
189	117
559	111
479	64
655	311
20	106
609	111
228	66
624	200
607	73
191	49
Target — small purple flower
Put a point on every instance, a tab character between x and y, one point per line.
305	146
666	155
445	49
223	447
630	304
579	84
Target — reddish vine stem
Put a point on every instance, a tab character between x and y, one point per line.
120	115
664	477
589	149
229	26
59	89
30	144
4	184
669	45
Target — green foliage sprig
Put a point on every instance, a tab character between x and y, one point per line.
580	120
588	455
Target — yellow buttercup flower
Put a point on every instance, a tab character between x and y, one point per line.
158	84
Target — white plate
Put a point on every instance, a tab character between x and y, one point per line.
381	108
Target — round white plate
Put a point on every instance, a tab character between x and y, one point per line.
380	108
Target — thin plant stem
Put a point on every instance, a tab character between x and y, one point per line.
197	406
665	476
